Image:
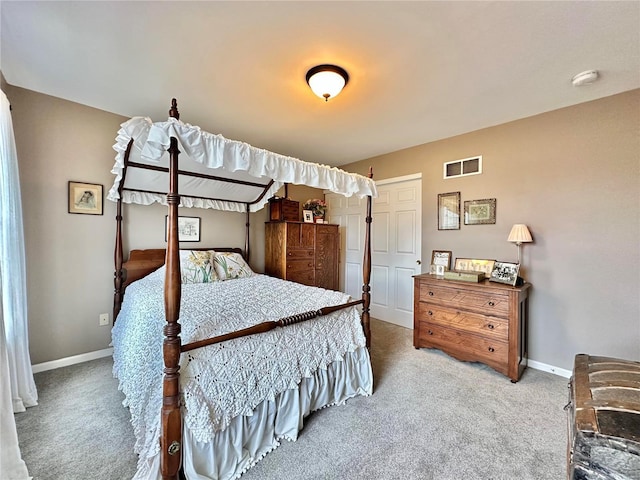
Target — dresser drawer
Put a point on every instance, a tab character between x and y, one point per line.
295	254
300	266
490	327
484	302
306	277
462	345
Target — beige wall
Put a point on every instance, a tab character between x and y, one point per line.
573	176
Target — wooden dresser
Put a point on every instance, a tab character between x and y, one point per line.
477	322
303	252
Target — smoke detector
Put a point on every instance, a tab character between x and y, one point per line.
585	78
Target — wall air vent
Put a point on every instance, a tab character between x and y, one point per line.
464	167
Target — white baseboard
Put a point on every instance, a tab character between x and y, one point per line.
65	362
549	368
107	352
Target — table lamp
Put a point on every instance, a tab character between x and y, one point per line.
519	234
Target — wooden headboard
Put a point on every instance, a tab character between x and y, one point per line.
142	262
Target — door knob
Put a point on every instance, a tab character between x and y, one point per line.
419	262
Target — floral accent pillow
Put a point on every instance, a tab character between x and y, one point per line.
196	267
229	265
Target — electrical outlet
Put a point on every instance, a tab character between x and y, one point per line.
104	319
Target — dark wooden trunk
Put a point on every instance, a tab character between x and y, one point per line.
604	419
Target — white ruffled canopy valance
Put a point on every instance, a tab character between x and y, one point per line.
243	173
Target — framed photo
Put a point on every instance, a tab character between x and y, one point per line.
85	198
449	211
505	272
188	229
441	257
478	212
475	265
307	216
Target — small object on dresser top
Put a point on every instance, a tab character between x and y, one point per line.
464	275
284	210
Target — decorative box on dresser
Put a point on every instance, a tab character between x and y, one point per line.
477	322
303	252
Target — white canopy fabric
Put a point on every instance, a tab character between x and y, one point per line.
244	174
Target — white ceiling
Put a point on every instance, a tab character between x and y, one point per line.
419	71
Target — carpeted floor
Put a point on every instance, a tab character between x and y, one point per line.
430	417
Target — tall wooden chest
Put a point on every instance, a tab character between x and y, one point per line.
305	253
604	419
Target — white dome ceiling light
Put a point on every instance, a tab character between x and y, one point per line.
327	81
585	78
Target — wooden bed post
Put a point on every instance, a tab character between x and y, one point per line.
118	292
366	271
117	258
171	420
246	240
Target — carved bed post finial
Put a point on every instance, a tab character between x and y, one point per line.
173	111
366	271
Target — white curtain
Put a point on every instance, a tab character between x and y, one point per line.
16	377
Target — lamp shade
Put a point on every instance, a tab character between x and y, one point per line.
327	81
519	234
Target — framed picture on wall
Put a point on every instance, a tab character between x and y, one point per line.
479	212
188	229
449	211
85	198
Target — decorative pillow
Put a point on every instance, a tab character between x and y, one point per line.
229	265
196	267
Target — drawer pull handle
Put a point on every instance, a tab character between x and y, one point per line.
491	304
429	312
431	294
430	332
491	349
490	326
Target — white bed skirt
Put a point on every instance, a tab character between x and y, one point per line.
247	439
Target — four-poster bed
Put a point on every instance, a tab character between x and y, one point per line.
329	357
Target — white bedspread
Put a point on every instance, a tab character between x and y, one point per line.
223	381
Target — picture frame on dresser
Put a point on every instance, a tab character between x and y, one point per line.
307	216
505	272
475	265
441	257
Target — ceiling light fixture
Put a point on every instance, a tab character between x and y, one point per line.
585	78
327	81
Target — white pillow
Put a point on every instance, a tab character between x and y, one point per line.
229	265
196	267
